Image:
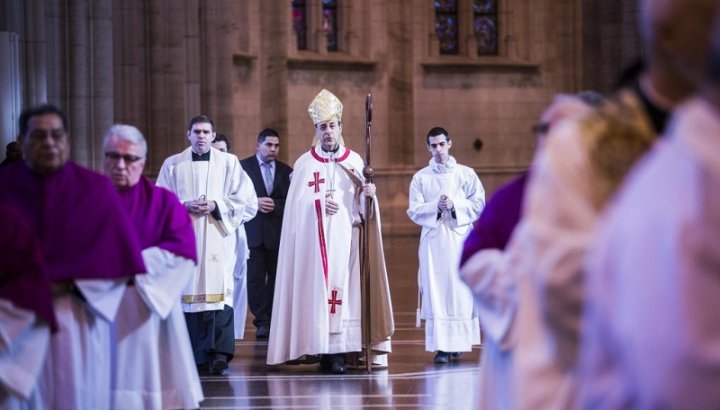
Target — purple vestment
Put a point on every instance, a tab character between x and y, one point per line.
498	219
22	272
76	213
159	219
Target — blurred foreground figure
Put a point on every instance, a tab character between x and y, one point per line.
652	328
26	313
490	273
89	248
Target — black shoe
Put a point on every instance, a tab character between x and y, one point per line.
441	357
219	364
455	355
338	364
262	332
326	361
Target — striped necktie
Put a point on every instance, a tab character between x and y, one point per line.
267	176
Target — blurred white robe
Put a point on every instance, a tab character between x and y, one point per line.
652	328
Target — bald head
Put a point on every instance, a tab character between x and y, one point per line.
676	36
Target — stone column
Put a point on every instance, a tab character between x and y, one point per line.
170	96
89	67
401	71
273	67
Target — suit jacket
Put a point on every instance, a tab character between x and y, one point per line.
264	229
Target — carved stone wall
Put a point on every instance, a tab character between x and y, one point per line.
156	63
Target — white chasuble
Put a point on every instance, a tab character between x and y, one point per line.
218	180
451	324
317	306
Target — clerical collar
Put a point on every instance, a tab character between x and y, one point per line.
334	151
201	157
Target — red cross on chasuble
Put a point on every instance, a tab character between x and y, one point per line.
315	183
335	319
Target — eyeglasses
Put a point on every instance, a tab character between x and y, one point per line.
116	156
540	128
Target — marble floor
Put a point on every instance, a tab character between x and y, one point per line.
412	380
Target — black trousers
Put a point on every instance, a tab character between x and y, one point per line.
211	332
261	268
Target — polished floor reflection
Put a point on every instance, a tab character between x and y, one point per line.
412	380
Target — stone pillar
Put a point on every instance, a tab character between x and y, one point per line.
27	20
172	97
400	105
273	68
89	67
216	51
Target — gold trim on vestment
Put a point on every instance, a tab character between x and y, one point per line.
212	298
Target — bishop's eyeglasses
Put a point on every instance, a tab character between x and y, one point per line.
116	156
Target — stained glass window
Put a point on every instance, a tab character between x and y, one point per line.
485	26
330	17
299	16
446	25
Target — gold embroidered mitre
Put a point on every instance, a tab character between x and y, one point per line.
324	107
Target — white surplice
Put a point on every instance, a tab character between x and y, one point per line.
447	303
83	337
651	330
317	306
243	254
23	347
154	365
220	180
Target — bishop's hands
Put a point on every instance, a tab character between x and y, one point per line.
445	203
266	204
331	207
199	206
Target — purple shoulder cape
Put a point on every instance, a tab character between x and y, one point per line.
160	219
76	214
498	219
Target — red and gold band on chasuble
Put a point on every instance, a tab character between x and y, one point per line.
315	184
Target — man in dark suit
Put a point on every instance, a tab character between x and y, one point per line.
271	179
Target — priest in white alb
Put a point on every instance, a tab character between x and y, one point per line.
317	306
445	199
209	183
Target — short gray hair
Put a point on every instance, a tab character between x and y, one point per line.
126	133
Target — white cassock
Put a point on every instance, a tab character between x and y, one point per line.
220	179
243	254
155	367
651	329
447	303
316	308
83	336
24	342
